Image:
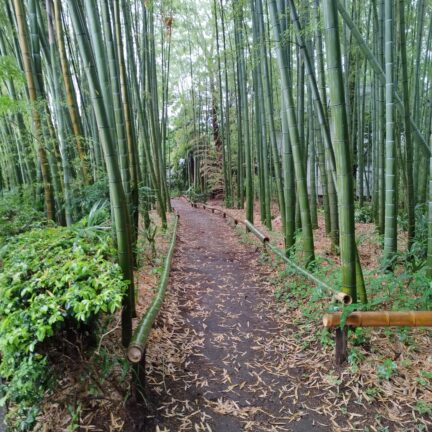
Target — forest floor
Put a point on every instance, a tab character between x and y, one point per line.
226	356
218	355
239	345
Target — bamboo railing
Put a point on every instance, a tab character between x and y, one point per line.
137	345
336	295
371	319
380	319
334	320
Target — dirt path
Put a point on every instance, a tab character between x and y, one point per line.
216	357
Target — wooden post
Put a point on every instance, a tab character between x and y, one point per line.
139	379
341	345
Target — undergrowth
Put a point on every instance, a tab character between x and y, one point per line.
51	280
18	216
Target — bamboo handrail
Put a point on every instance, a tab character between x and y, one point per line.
139	339
215	209
380	319
261	236
337	295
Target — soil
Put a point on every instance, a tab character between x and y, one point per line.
221	366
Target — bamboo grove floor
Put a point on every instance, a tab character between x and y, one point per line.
225	356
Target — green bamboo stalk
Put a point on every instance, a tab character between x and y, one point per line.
242	88
381	125
33	96
289	184
390	234
130	152
229	201
410	200
429	248
222	133
261	129
60	114
342	149
70	94
328	190
308	246
268	106
118	199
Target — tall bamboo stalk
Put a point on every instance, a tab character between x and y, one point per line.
390	235
308	245
119	205
33	96
342	149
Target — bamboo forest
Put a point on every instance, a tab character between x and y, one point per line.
216	215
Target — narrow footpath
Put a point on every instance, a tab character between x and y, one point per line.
216	360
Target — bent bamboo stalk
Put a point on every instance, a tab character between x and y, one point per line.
339	296
380	319
139	339
261	236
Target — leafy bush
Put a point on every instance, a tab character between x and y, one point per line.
17	217
98	217
195	196
363	214
50	279
415	258
91	194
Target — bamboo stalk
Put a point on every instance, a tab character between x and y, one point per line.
339	296
33	96
257	233
139	339
341	142
380	319
380	73
390	212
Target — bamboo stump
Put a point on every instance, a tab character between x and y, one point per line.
139	379
341	351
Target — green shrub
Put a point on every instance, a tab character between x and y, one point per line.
195	196
87	196
50	279
364	214
17	217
